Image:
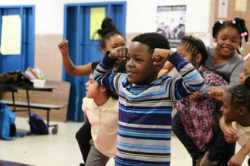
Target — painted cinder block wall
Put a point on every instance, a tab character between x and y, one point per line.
141	17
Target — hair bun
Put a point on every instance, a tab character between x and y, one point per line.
107	23
106	27
247	82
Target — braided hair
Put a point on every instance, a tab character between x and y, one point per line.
195	46
152	40
107	30
237	23
240	95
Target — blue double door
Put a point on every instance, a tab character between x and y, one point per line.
83	48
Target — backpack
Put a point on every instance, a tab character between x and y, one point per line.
37	125
7	123
17	78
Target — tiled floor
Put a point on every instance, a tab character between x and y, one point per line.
61	149
10	163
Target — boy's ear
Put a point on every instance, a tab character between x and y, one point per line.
198	58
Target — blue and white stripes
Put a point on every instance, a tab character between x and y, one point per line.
144	131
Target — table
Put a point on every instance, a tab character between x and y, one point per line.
30	105
27	89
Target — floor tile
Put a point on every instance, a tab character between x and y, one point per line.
61	149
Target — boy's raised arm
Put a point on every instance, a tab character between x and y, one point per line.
103	73
191	80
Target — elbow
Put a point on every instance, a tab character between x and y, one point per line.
70	71
198	87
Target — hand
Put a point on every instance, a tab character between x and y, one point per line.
216	93
160	56
230	134
236	160
63	46
120	53
196	95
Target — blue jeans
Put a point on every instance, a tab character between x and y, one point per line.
218	150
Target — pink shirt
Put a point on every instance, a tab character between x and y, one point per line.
104	124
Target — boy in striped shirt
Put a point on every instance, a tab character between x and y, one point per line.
145	101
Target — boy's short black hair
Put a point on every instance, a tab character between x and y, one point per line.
152	40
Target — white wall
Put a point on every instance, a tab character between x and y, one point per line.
197	18
141	14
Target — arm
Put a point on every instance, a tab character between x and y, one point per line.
216	92
70	68
239	157
166	69
234	79
103	73
191	80
229	133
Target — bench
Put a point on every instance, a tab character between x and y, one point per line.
57	99
46	107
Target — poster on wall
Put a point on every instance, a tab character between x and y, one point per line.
241	5
170	23
222	8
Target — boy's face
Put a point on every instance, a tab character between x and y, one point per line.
245	73
92	87
139	66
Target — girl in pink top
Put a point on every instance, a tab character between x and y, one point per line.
100	108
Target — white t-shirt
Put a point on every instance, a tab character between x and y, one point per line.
104	124
243	133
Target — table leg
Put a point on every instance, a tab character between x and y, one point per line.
13	99
28	101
